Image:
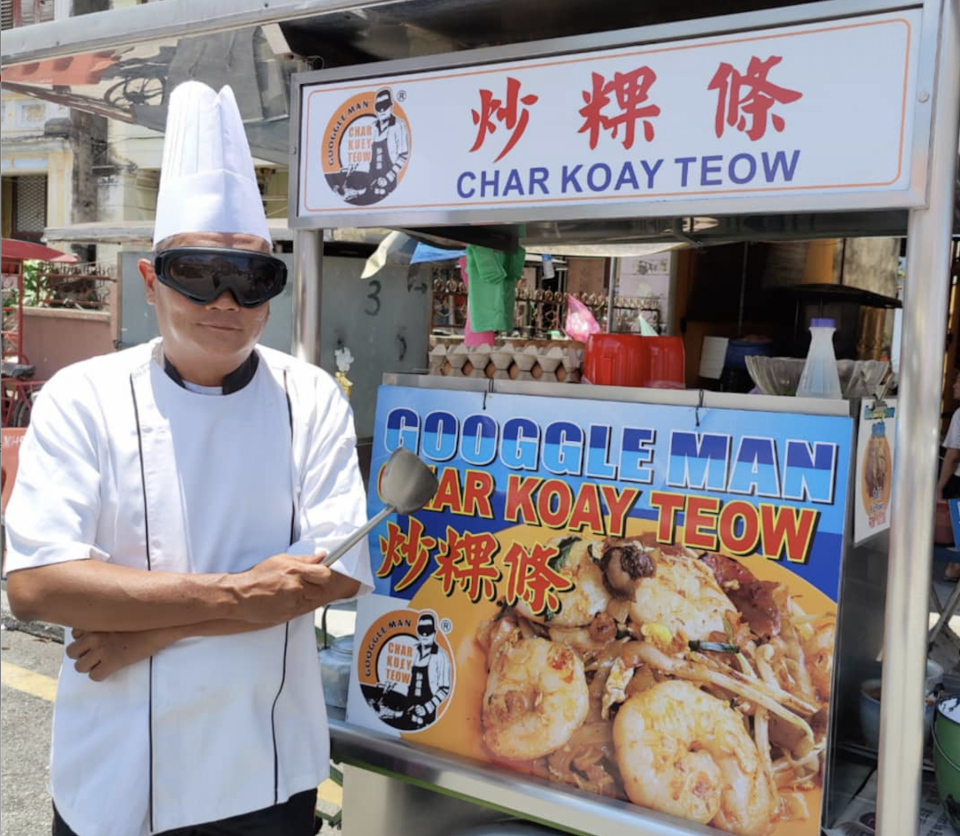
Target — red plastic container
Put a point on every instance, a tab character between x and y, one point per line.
615	360
666	363
632	360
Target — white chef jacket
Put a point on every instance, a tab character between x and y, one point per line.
952	439
122	464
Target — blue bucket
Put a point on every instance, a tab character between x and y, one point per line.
739	350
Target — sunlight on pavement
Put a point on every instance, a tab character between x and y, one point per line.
953	623
13	676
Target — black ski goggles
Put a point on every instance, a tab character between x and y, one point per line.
203	273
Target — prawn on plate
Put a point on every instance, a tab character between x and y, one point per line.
686	753
536	695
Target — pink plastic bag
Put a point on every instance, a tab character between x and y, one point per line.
580	322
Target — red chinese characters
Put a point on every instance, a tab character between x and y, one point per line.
630	92
412	549
531	578
466	560
508	113
744	100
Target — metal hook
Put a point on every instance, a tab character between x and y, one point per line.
699	407
487	391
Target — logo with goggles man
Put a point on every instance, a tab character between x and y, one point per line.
405	670
366	147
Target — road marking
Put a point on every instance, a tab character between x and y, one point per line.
27	681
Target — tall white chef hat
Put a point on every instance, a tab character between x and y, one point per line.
207	181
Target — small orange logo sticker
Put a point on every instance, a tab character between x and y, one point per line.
405	668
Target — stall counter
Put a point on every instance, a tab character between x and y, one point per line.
394	787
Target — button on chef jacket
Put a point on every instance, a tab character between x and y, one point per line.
124	465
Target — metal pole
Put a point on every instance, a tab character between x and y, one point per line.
308	275
743	289
911	532
612	281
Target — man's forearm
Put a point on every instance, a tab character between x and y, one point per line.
94	595
102	653
338	587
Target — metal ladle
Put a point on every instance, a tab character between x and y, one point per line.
406	485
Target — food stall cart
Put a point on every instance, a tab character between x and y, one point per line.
549	133
850	188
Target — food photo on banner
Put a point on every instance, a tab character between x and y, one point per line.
636	600
875	459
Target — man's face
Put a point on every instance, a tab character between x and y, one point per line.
384	108
426	636
221	330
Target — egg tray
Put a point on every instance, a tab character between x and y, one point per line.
549	361
512	372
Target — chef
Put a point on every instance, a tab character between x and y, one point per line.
391	147
172	506
430	677
371	181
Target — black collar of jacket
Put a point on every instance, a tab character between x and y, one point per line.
233	382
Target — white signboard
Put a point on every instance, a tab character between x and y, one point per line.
823	109
874	477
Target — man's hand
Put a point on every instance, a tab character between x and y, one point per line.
283	587
102	654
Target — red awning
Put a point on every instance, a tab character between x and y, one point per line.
16	250
69	71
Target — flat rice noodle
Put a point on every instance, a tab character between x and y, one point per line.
696	671
592	734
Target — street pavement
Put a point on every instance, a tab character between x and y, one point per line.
28	670
30	657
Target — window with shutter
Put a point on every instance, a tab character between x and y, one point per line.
25	12
29	207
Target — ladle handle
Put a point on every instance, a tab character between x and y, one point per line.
357	536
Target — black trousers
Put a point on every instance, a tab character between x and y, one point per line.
294	817
952	489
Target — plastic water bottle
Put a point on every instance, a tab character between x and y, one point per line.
819	378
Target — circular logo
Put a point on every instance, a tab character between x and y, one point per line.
366	147
405	669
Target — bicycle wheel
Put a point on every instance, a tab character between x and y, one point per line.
20	414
